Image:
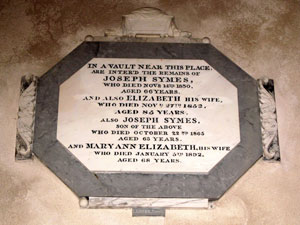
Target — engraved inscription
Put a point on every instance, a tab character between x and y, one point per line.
148	115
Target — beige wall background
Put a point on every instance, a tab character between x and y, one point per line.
262	37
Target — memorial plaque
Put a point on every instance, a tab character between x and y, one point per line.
148	115
147	120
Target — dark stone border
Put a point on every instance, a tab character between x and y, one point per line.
85	183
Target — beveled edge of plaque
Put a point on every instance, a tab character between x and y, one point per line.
85	183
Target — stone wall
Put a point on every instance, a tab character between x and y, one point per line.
262	37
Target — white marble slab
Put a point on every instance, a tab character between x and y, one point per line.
148	115
111	202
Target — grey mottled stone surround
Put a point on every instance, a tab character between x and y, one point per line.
85	183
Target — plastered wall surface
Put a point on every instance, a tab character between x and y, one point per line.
262	37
